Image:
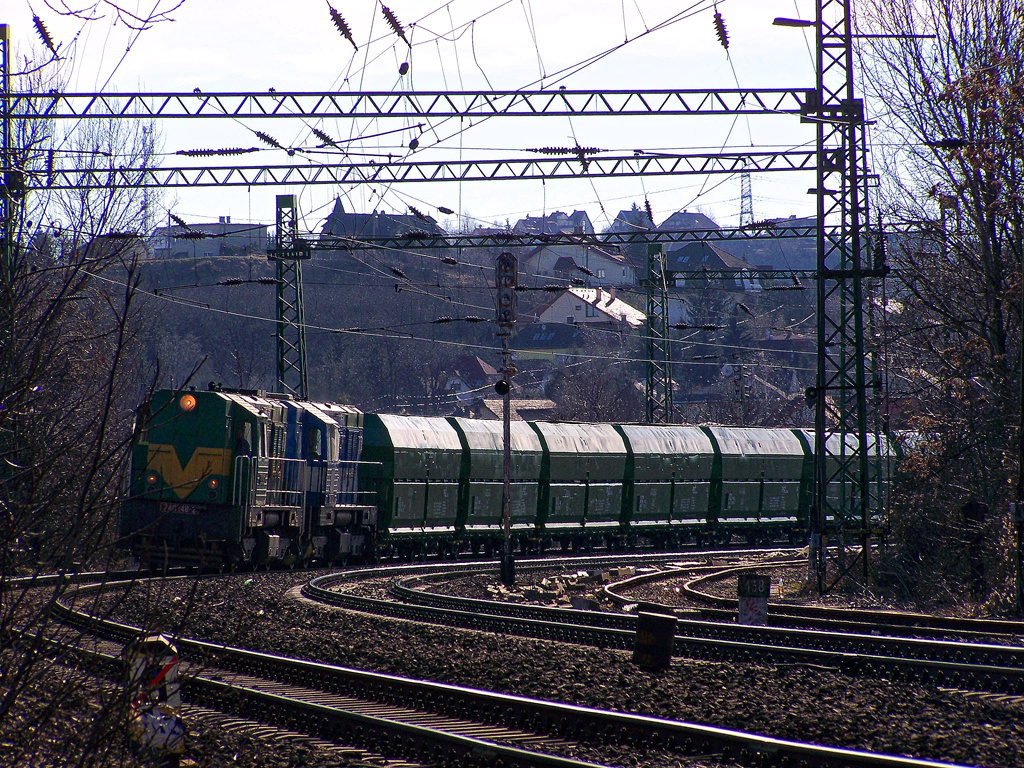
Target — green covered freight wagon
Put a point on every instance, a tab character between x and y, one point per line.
581	478
668	480
482	477
412	465
759	481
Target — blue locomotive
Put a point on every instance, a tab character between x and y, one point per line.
241	476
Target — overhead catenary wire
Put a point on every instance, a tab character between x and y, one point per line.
595	191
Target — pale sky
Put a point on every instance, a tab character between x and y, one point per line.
476	45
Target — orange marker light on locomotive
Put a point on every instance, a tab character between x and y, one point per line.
187	403
213	483
151	478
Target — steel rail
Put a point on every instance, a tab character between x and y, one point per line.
886	618
978	658
383	104
561	720
341	721
986	667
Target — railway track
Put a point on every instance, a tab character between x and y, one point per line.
823	617
448	725
974	666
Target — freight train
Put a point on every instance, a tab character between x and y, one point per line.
233	477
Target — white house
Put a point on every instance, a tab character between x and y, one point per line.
590	306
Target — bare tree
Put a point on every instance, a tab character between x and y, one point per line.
597	390
950	111
69	379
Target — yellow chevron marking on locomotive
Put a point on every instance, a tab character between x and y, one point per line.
183	480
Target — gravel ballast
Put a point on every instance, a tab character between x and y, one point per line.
794	702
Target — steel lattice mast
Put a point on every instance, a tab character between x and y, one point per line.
840	396
659	346
288	254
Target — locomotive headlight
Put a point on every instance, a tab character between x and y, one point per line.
151	478
187	403
212	482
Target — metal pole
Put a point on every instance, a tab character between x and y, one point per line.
6	166
508	572
506	278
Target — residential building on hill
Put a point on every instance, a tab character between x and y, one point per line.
684	220
340	223
697	257
470	375
556	223
632	220
550	341
605	263
590	306
537	409
221	239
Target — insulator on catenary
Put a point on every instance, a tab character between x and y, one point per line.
721	31
44	35
191	235
398	273
442	319
230	281
212	152
472	319
327	140
414	143
700	327
448	260
267	139
650	213
585	271
178	220
266	280
395	23
744	307
418	214
342	26
403	68
577	281
445	211
566	150
762	224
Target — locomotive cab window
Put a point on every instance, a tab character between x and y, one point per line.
313	449
243	439
142	424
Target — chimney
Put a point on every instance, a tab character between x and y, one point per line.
611	295
597	300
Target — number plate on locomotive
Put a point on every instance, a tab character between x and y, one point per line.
174	508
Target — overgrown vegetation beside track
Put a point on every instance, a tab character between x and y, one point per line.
951	108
